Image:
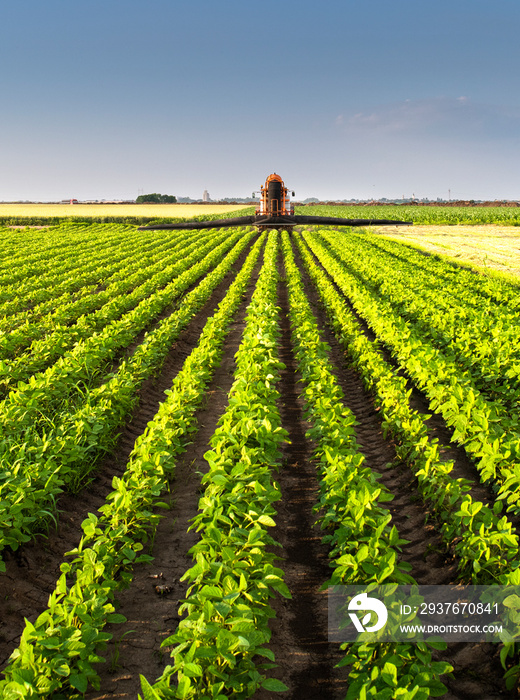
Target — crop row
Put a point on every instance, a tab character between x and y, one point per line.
364	544
36	471
36	399
98	311
55	298
469	328
440	270
218	646
62	420
60	649
419	214
57	255
488	436
485	545
484	542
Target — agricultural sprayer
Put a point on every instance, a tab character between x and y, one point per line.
276	211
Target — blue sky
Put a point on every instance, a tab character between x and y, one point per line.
342	98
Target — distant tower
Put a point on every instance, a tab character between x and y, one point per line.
205	196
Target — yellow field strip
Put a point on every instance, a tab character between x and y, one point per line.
490	247
94	210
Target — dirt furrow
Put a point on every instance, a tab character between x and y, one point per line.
463	466
32	570
299	641
151	602
478	674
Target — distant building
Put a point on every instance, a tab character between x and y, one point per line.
205	196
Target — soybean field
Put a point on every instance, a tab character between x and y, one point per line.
202	429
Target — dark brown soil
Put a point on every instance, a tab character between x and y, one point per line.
299	631
32	571
152	616
463	466
478	674
299	641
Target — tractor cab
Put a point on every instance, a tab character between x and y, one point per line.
274	198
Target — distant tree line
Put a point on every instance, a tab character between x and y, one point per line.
156	198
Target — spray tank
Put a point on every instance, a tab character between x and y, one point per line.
276	211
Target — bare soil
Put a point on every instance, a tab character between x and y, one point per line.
151	602
478	674
306	660
33	569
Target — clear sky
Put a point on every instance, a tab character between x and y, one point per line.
342	98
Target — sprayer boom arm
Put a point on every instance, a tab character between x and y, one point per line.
275	211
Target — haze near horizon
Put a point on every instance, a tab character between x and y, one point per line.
343	99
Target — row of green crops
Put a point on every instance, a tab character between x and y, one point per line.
218	648
499	290
108	297
65	292
60	650
47	452
59	384
509	216
36	344
487	431
472	321
30	254
364	544
484	543
93	312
